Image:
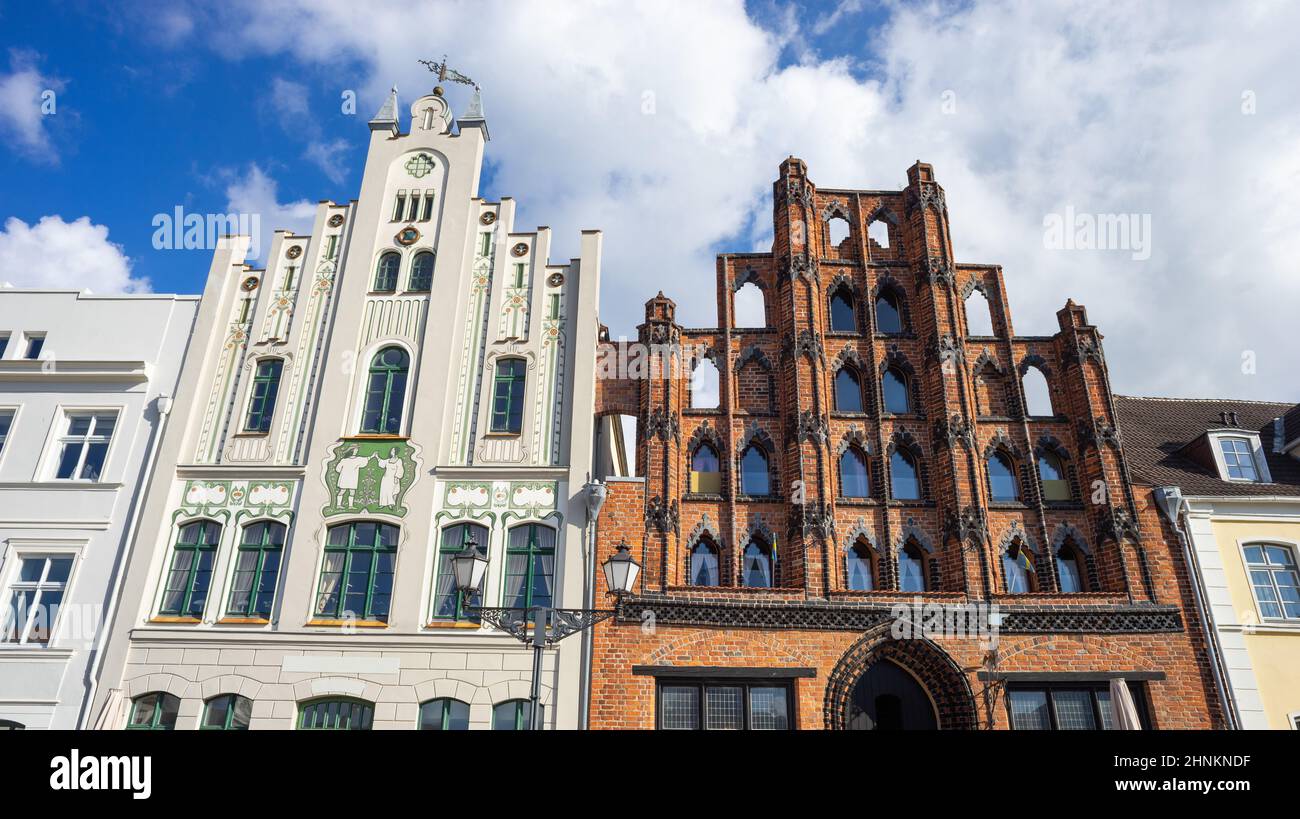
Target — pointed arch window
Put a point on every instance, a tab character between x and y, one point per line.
386	272
508	396
186	590
889	317
854	482
261	402
530	566
860	568
894	388
706	470
756	572
904	478
257	565
1038	395
704	564
843	319
386	392
1002	478
1070	569
979	314
422	272
848	390
749	307
1051	474
755	475
1018	569
911	568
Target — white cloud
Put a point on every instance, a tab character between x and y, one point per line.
257	195
329	157
55	254
1110	108
22	121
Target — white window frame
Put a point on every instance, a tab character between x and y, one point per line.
59	432
1256	448
15	553
28	338
6	443
1291	546
7	338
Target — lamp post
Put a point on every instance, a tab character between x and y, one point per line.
541	626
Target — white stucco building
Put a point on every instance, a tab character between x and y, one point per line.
85	384
412	376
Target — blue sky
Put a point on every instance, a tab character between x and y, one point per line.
1185	117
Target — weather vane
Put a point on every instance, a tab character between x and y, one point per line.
444	73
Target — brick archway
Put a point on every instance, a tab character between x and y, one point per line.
932	666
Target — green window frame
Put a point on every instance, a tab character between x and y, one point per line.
386	272
226	712
155	711
508	396
189	580
444	714
261	402
512	715
356	577
448	604
422	272
530	566
257	566
386	392
336	714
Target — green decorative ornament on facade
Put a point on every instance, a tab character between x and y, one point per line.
419	165
371	476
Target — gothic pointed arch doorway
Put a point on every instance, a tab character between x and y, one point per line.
888	698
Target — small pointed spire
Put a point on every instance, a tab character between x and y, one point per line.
473	116
387	116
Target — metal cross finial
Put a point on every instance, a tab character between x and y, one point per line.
444	73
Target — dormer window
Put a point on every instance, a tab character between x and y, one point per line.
1239	456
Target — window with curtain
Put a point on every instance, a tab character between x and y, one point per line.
842	317
1274	580
261	402
512	715
911	569
704	564
757	569
1070	570
530	566
889	319
336	714
1051	474
386	392
228	712
894	389
445	714
186	590
508	396
1002	478
848	390
854	482
706	470
859	570
904	479
257	566
1018	569
386	272
422	272
448	604
1069	707
356	579
755	478
155	711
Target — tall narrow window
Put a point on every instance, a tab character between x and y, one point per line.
706	471
422	272
894	387
427	213
1018	568
1038	396
904	480
1069	569
512	715
1051	474
445	714
414	212
530	566
386	272
858	569
257	566
757	569
889	319
848	390
342	714
35	344
748	305
386	392
448	604
508	396
399	206
261	404
1002	478
190	576
754	476
31	607
4	344
911	569
979	314
853	474
356	579
705	392
84	445
842	317
1275	580
155	711
331	246
228	712
6	421
704	564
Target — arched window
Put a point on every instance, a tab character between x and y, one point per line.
878	232
979	314
508	396
837	230
448	604
257	566
512	715
750	309
1038	397
704	564
704	385
336	714
444	714
706	470
904	479
854	482
386	392
1274	580
889	318
356	579
422	272
10	725
757	570
1070	569
155	711
228	712
186	590
859	569
1051	474
261	401
911	569
894	388
1002	478
843	319
386	272
530	566
755	479
1018	569
848	390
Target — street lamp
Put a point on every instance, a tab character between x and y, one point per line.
540	626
